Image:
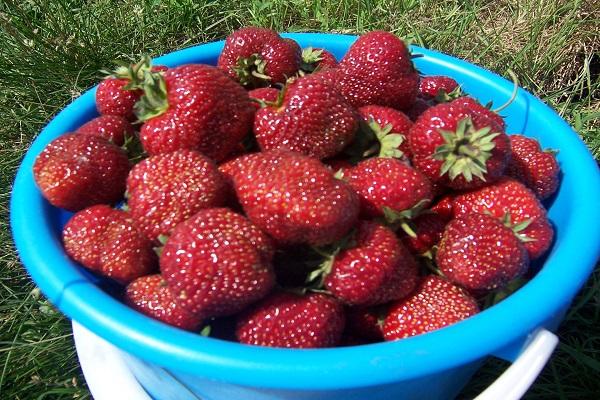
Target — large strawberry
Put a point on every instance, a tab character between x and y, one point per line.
259	56
312	119
166	189
479	253
77	171
290	320
217	264
457	147
536	168
435	304
294	198
377	69
113	128
151	296
511	202
390	127
194	107
108	242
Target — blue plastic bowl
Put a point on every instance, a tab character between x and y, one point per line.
171	363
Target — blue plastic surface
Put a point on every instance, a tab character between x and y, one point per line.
450	353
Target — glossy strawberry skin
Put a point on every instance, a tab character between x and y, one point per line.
435	304
214	268
508	196
293	198
424	139
428	228
113	99
313	119
387	182
431	86
77	171
479	253
166	189
207	112
113	128
266	94
384	116
313	320
478	108
151	296
107	241
377	69
376	270
537	169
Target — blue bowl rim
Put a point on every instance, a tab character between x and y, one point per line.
60	279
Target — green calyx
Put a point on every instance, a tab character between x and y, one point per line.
134	73
402	219
251	71
465	151
443	97
154	100
389	142
316	278
518	228
310	58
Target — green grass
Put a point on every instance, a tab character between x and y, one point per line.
52	51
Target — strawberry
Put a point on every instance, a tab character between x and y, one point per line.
365	322
375	269
427	230
313	119
113	128
151	296
290	320
457	147
293	198
194	107
76	171
388	183
435	304
377	69
217	263
385	123
263	95
436	86
420	105
166	189
510	201
479	253
258	57
476	107
444	207
316	59
537	169
107	241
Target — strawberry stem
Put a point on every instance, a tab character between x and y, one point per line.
513	96
154	101
251	71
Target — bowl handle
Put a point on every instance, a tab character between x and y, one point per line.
515	381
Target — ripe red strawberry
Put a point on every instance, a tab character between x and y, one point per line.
457	147
388	183
151	296
113	128
316	59
444	207
435	304
293	198
428	229
479	253
167	189
258	57
194	107
107	241
386	122
437	85
375	269
536	168
365	322
76	171
377	69
290	320
263	95
510	198
217	264
313	119
480	109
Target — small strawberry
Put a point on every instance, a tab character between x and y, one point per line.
476	107
259	57
166	189
76	171
479	253
444	207
313	119
435	304
427	230
217	264
457	147
378	69
436	86
107	241
262	96
293	198
316	59
388	183
390	126
194	107
366	322
151	296
536	168
290	320
113	128
510	201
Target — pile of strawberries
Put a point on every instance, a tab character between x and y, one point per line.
306	202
